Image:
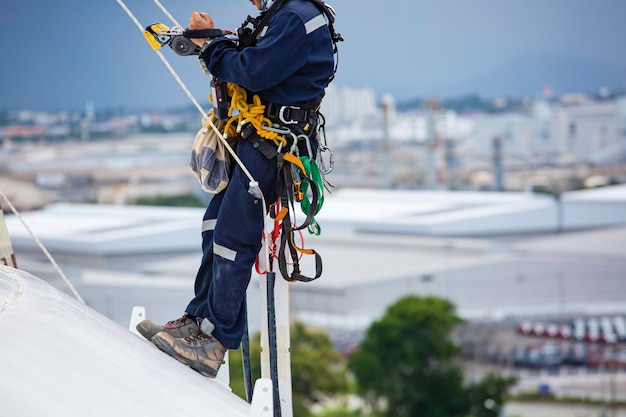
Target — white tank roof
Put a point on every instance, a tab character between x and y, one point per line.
61	358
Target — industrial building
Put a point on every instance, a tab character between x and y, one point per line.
493	254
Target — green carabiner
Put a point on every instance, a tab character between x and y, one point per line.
312	173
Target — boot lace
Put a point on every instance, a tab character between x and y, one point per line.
178	321
199	338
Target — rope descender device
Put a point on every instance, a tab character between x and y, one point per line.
158	35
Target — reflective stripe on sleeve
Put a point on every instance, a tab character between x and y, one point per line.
315	23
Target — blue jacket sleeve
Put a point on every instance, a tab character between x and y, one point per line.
275	57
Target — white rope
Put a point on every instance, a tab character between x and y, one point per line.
202	112
168	14
43	248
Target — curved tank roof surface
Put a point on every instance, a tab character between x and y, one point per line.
61	358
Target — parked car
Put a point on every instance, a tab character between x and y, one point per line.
576	354
543	355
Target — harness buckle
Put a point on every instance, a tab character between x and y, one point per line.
281	115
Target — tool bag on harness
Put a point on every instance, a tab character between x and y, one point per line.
210	163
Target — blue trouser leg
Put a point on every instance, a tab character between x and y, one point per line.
230	249
198	305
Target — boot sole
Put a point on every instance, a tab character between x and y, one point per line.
198	367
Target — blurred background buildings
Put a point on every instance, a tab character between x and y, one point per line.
551	143
514	209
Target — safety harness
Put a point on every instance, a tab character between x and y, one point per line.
279	133
299	179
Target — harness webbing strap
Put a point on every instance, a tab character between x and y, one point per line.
261	24
288	229
286	239
280	214
289	157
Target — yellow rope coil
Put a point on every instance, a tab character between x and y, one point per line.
253	113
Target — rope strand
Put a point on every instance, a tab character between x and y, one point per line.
168	14
43	248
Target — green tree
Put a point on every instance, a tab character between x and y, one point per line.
487	396
236	366
405	365
317	370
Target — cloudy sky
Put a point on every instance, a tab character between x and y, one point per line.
62	54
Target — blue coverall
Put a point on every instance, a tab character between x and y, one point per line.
290	64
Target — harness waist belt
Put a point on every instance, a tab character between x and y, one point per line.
290	115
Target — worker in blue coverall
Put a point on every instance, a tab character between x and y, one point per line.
290	64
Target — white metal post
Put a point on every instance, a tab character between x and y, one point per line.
283	341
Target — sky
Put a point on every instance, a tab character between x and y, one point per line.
59	55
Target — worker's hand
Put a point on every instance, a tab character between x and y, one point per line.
200	21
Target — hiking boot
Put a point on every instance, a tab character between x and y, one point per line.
202	352
182	327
